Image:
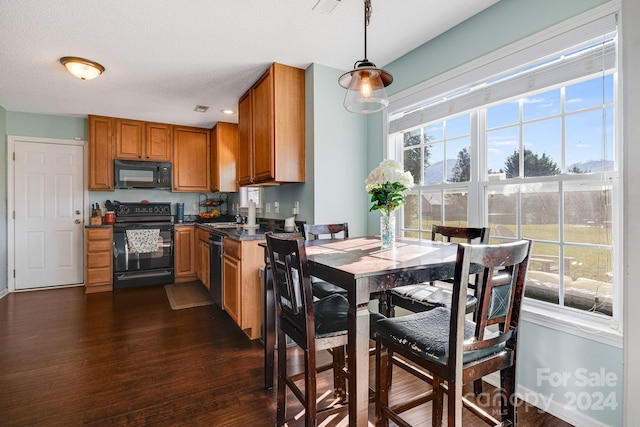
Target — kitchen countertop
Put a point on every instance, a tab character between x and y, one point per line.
243	233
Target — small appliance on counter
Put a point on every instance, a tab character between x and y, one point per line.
179	213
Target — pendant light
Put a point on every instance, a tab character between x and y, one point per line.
365	83
83	69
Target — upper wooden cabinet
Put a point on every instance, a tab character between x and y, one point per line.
139	140
158	146
101	153
191	159
224	154
271	128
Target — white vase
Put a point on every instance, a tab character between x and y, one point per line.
387	231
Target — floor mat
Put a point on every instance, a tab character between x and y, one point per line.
187	295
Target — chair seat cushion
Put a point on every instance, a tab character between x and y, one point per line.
331	316
323	289
432	296
427	335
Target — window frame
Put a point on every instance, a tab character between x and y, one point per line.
605	328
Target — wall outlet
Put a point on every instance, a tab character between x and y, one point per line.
267	207
276	207
195	207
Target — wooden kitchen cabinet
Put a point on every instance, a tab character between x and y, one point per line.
271	128
224	155
202	256
191	159
242	292
184	260
100	153
98	259
129	139
137	140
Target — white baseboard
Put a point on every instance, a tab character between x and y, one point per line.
4	293
548	405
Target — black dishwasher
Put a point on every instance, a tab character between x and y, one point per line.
215	268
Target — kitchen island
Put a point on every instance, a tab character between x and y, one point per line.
235	282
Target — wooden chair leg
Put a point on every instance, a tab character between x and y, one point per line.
508	395
454	404
438	401
477	387
281	411
339	380
382	397
310	411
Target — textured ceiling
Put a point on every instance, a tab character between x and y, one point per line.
164	57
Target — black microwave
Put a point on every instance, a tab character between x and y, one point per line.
142	174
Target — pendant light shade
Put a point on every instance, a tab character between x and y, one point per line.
366	83
83	69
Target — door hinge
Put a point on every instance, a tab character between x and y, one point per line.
14	215
14	273
14	156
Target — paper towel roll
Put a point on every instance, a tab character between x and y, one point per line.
251	218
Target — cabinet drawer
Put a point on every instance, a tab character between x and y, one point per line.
99	234
99	260
97	276
232	248
98	245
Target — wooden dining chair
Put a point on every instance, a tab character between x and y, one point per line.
321	288
313	326
418	298
453	349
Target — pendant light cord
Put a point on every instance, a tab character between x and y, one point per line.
367	19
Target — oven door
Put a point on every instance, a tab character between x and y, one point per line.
149	263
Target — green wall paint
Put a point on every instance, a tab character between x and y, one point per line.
46	126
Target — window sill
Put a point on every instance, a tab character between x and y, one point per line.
578	324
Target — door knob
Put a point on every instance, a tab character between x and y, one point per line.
77	221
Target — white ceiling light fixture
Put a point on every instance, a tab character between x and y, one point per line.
83	69
365	83
227	111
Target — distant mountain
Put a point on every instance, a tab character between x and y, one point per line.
433	174
593	166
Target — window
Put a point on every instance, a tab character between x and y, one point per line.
250	193
529	153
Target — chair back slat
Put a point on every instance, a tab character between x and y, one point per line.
318	231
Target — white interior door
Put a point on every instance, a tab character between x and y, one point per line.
49	229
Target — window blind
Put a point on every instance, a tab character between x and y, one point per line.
596	57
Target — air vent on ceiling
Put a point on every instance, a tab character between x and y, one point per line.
326	6
201	108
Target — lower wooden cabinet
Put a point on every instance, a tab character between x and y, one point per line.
202	256
184	244
242	291
99	259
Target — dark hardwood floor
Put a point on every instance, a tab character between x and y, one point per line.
127	359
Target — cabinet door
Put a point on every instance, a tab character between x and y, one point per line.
101	153
205	266
224	155
99	260
263	129
245	141
231	270
158	145
184	245
129	139
191	159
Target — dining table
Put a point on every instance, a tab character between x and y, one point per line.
365	271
